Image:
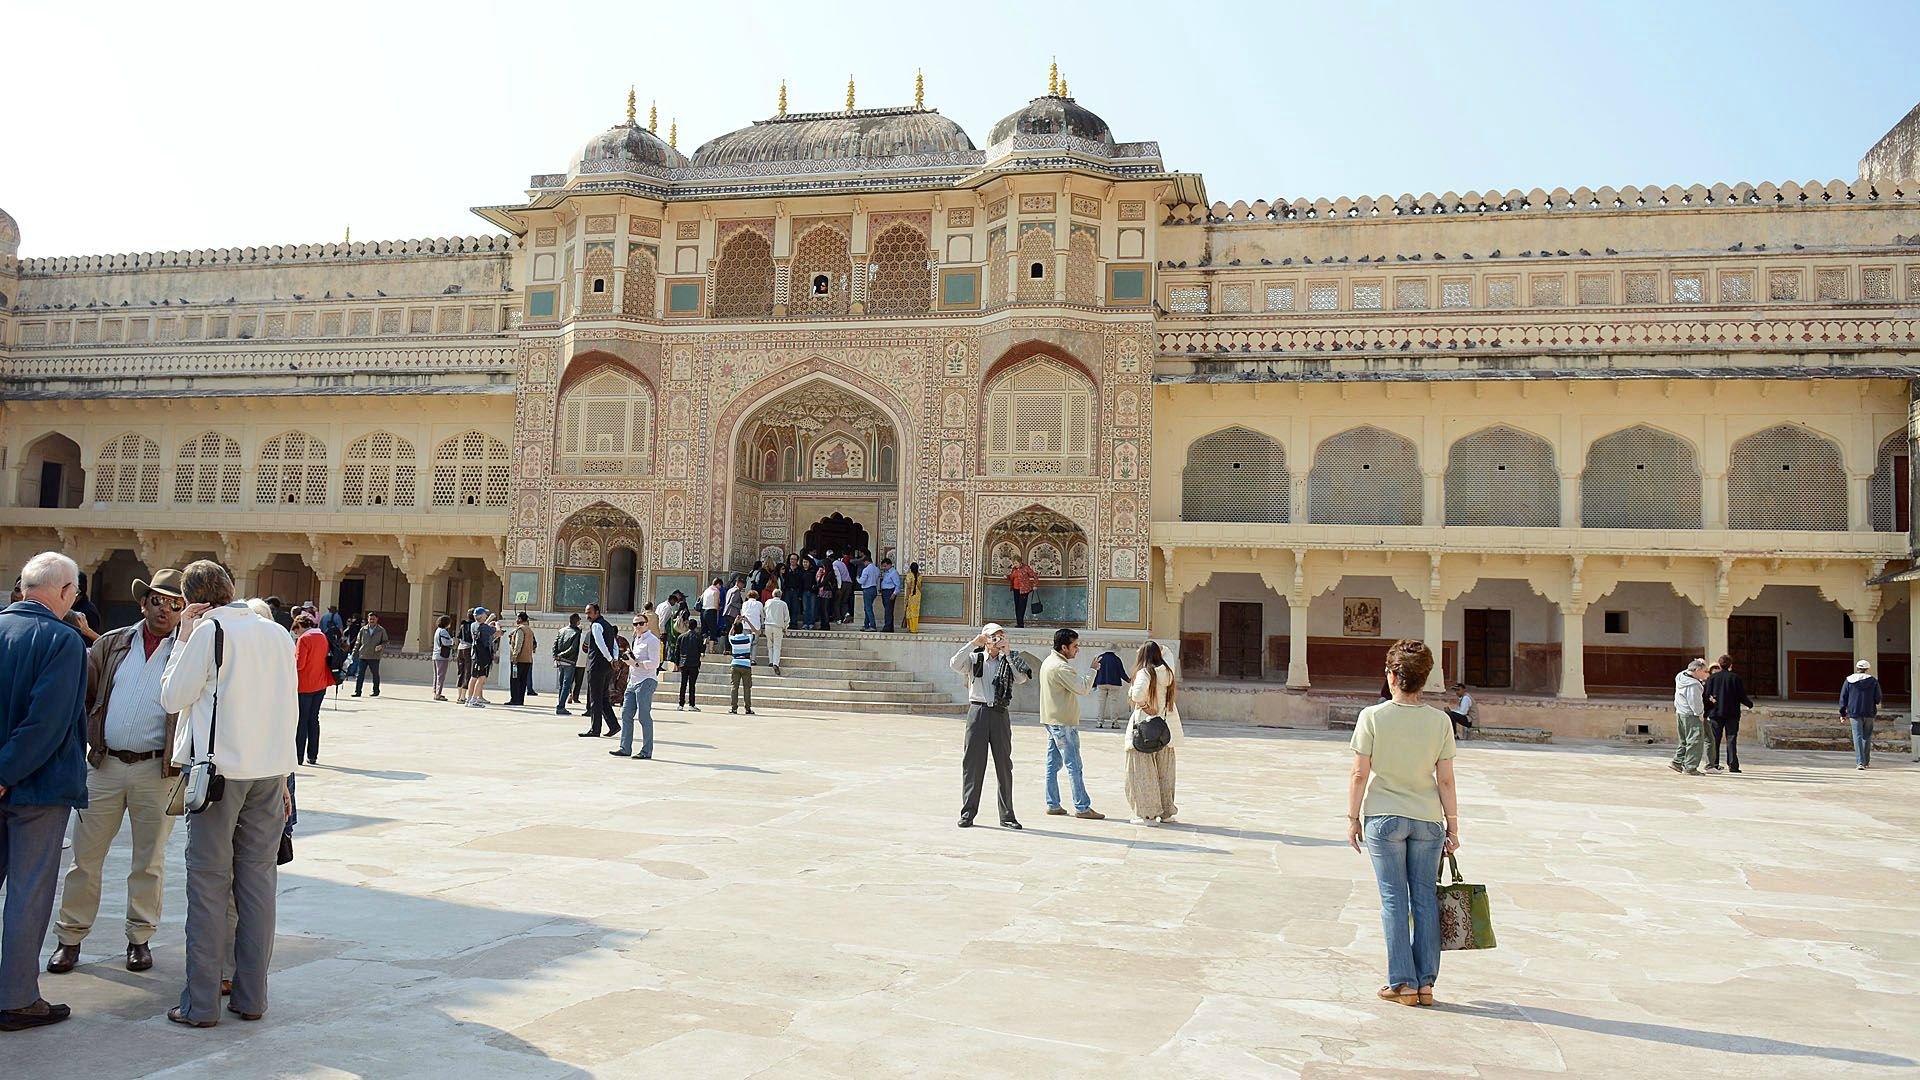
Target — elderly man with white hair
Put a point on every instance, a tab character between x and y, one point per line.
43	772
1689	709
231	680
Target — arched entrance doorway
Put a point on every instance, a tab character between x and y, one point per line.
597	560
820	453
1056	548
51	476
835	533
111	588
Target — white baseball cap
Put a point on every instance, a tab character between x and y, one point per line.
991	629
1861	665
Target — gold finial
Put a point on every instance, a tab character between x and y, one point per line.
849	93
1063	90
629	106
349	234
1053	79
653	117
783	97
673	134
919	89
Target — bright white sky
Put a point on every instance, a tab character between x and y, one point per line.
139	127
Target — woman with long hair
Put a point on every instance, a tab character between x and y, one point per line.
912	589
1150	775
1401	803
312	679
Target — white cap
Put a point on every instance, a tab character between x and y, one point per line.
1861	665
991	629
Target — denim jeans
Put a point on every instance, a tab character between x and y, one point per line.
639	703
807	603
867	594
564	676
1862	739
1063	745
1406	862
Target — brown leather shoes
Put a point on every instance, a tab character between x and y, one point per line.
1056	810
64	959
139	957
1091	814
39	1014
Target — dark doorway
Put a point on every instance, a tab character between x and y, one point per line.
1902	493
1754	643
620	575
1489	647
353	597
1241	634
52	475
838	534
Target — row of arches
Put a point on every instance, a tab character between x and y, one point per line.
895	278
294	468
1782	477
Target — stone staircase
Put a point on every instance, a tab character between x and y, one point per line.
1814	731
829	672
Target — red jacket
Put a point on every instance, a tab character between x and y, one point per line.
310	661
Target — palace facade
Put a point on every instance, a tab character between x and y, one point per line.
1577	436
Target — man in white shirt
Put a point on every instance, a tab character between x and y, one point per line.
777	617
869	590
232	845
755	612
128	739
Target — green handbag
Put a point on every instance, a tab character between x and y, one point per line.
1466	922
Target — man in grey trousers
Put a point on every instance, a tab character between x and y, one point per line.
992	670
231	679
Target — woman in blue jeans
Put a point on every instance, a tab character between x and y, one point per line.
1401	802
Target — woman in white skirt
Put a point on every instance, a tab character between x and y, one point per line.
1150	776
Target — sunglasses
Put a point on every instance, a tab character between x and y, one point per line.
167	601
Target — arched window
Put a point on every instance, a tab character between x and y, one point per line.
606	424
1036	263
207	470
743	277
821	261
380	470
1365	476
598	297
1083	258
1040	421
1236	475
1640	478
127	470
1786	477
1889	493
471	469
1503	477
292	470
902	275
641	269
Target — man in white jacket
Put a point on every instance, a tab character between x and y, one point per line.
238	708
1689	707
778	618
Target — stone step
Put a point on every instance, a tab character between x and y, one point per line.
794	679
1831	737
1511	734
872	704
833	699
839	669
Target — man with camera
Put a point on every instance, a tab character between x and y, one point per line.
231	679
129	736
992	670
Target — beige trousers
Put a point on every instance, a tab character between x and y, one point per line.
116	790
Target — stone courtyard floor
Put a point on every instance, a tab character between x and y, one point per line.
481	894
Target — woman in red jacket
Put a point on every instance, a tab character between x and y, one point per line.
310	665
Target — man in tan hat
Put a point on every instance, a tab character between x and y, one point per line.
128	735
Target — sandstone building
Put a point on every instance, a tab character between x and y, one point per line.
1578	436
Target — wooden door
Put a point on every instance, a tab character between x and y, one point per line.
1241	627
1902	493
1489	647
1754	643
52	484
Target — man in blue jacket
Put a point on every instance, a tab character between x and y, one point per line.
1859	703
43	772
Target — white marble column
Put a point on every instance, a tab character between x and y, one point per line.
1433	632
1297	678
1573	645
1716	633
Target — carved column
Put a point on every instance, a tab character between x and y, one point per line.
1569	500
1432	512
1573	646
1716	631
1433	632
1713	500
1298	677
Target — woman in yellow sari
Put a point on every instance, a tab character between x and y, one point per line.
913	598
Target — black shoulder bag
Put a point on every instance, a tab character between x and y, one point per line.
200	785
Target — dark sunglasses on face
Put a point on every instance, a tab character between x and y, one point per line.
169	602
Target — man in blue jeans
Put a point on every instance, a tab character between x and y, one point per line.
1860	703
1061	688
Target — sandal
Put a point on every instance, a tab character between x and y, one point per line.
1426	995
1399	995
174	1014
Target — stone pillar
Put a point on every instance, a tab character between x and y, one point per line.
418	634
1716	633
1432	512
329	590
1570	500
1866	637
1713	500
1573	645
1433	632
1297	678
1859	506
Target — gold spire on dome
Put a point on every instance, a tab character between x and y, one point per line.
919	89
849	93
783	97
1053	79
653	117
349	234
1064	91
673	134
630	100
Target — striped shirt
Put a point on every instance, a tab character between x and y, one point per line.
742	645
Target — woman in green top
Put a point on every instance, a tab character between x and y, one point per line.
1401	800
